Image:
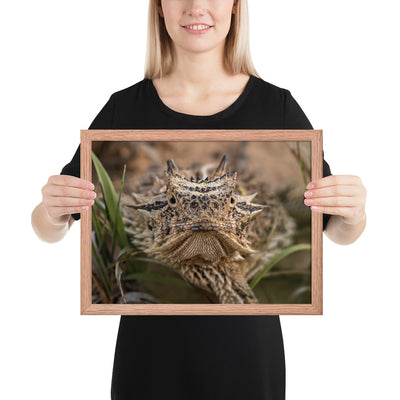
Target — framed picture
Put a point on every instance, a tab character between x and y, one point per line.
192	222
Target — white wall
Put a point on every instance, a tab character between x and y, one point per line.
62	61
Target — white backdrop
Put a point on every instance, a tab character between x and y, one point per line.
62	61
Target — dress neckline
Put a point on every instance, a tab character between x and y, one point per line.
219	115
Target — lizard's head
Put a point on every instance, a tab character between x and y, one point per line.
199	220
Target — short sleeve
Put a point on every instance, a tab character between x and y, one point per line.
295	118
103	120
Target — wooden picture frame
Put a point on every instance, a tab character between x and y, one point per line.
293	139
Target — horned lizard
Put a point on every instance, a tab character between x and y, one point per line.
205	226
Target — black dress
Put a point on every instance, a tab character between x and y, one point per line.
199	357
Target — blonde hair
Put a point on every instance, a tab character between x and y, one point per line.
160	52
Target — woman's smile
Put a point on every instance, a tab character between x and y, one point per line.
197	28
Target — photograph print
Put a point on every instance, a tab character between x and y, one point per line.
201	223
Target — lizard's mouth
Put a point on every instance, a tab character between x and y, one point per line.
205	227
202	244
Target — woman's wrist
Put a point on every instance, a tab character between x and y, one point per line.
47	228
344	233
58	221
356	220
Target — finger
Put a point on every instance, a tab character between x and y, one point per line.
338	190
67	202
69	180
68	191
343	211
352	215
333	180
351	201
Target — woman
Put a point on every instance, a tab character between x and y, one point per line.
199	75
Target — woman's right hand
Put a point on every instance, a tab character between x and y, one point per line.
65	194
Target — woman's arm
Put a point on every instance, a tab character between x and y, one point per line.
49	229
62	195
342	196
341	233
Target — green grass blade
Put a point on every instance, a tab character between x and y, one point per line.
119	225
276	259
102	270
97	228
118	274
303	172
111	201
101	207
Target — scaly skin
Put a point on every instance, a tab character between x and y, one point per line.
203	228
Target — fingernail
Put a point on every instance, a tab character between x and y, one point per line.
90	185
310	186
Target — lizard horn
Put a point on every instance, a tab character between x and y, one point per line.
222	167
172	168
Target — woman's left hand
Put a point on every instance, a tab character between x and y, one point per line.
342	195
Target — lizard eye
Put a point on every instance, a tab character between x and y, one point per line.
232	201
172	201
194	206
214	206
